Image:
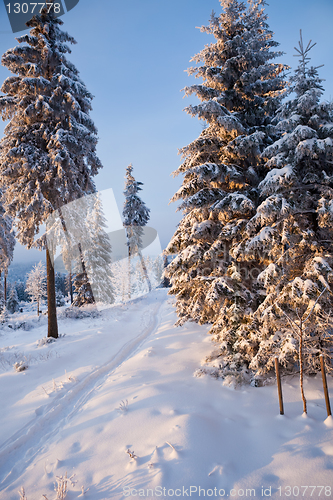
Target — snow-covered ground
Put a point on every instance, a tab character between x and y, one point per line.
122	382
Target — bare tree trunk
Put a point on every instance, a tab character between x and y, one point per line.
69	246
69	283
323	374
84	270
129	274
51	298
278	380
300	355
5	287
166	281
38	307
129	269
145	272
70	286
123	290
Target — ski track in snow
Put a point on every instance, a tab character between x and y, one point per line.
17	453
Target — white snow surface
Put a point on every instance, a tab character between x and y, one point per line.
124	381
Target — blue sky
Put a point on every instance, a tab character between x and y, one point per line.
132	56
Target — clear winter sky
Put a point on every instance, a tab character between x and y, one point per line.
132	55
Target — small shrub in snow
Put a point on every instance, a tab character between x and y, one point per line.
131	453
123	407
83	491
19	325
49	340
45	341
82	312
70	378
20	366
200	372
61	486
22	494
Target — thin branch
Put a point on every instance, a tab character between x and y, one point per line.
300	43
292	214
306	187
314	305
308	45
307	50
297	314
291	321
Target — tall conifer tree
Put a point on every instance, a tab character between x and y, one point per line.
292	232
96	256
240	91
48	153
136	216
12	302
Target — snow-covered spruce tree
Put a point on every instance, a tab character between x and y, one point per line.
69	285
97	255
136	216
21	293
47	156
120	279
158	270
60	299
86	250
35	285
241	90
83	294
60	282
292	232
142	269
70	229
12	301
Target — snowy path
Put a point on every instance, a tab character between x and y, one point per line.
187	432
21	449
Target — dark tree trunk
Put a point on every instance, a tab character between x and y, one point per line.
165	282
82	286
145	272
70	286
129	273
300	354
89	289
51	298
69	283
5	287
